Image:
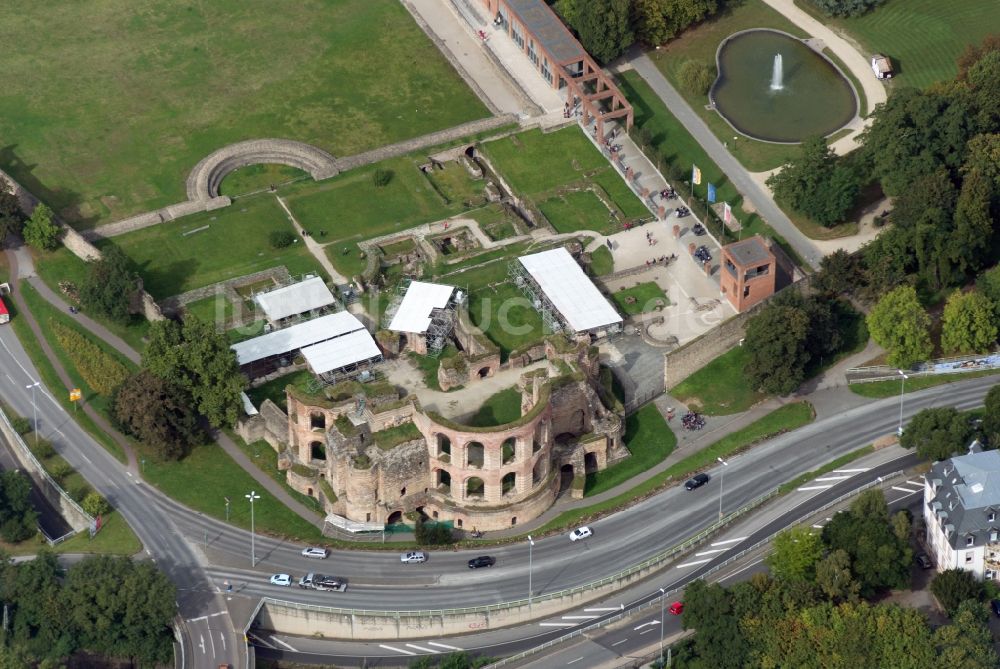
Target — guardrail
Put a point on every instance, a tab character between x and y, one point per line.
645	564
632	610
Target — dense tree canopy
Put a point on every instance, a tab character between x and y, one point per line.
158	413
41	231
846	7
11	217
199	360
776	342
817	184
109	284
795	553
991	417
901	326
968	324
937	433
657	21
604	26
954	586
17	514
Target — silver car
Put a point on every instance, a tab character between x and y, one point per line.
313	552
413	557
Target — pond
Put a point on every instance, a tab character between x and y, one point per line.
803	95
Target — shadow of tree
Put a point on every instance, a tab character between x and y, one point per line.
67	204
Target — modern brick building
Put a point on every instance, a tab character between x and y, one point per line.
748	272
561	59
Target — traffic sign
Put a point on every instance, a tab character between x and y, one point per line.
75	395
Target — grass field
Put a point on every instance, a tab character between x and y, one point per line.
922	37
534	162
648	439
578	210
646	296
253	178
274	390
115	538
220	245
879	389
109	105
499	409
720	387
700	44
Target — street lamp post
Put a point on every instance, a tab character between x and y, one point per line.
253	548
663	602
531	545
902	385
34	408
722	483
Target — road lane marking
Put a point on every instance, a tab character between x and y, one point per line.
557	624
396	650
576	660
578	617
644	631
222	637
849	471
618	643
818	527
206	617
832	478
422	649
442	645
741	570
694	563
201	642
919	483
277	640
906	490
603	608
651	622
729	541
711	551
814	487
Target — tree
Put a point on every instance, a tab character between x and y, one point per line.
11	216
984	157
967	641
968	324
707	609
833	576
158	413
972	228
846	7
604	26
937	433
901	326
991	417
840	273
696	77
109	284
795	554
95	504
924	218
199	360
17	515
954	586
281	239
988	285
41	231
776	345
817	183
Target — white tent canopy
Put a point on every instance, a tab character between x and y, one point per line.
575	296
414	313
297	298
296	337
345	350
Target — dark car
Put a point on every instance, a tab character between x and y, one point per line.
995	605
924	561
696	482
482	561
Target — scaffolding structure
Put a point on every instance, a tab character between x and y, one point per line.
552	322
399	292
442	320
279	283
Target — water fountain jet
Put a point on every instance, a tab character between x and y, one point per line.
777	75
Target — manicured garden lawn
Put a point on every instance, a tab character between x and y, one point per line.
207	476
672	140
879	389
602	262
646	296
219	245
922	37
254	178
648	439
700	44
533	162
577	210
157	86
502	408
720	387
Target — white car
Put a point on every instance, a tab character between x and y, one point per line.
313	552
413	557
580	533
281	579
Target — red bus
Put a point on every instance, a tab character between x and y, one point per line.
4	315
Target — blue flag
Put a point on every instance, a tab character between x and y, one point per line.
711	192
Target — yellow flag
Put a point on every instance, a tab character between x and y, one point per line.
695	175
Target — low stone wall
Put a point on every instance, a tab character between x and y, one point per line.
270	425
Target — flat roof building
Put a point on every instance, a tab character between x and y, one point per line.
295	299
748	272
569	292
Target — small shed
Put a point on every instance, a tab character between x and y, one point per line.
882	66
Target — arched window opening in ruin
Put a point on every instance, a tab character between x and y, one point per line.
590	462
317	450
535	446
475	488
537	472
459	523
566	475
443	483
394	518
317	420
475	455
309	491
508	483
484	372
513	521
402	491
508	451
443	445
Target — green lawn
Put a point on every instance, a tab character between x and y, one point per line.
506	316
700	43
156	86
602	262
678	148
214	309
266	459
495	221
578	210
61	265
648	439
502	408
720	387
207	476
879	389
274	390
253	178
114	538
646	296
533	162
922	37
219	245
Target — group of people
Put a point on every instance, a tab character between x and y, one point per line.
572	110
662	260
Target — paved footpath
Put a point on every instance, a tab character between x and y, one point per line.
21	266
